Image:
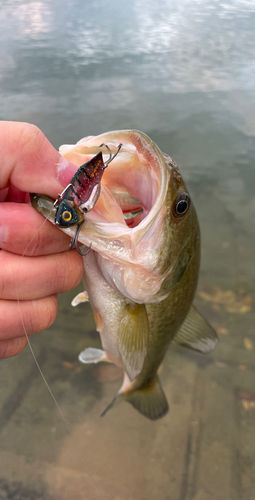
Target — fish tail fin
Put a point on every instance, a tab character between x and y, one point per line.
150	400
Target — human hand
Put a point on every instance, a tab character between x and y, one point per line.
30	164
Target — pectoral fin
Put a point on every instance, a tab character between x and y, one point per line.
196	333
81	297
133	337
92	355
180	267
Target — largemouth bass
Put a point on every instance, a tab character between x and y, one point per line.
141	273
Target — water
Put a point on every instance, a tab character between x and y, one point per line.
183	72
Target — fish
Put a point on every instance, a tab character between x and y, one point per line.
141	273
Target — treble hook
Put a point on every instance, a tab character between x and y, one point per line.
74	240
110	153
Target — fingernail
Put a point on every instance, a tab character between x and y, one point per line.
65	171
2	233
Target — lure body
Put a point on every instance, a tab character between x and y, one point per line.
81	195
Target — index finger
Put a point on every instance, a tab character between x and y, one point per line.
30	162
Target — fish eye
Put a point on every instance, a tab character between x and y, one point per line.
181	205
66	215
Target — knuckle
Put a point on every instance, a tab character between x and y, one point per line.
31	138
57	274
40	314
36	244
47	242
12	347
4	349
73	270
65	272
51	309
3	268
28	318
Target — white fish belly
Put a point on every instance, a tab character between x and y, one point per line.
107	305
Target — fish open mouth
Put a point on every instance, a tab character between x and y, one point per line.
132	209
129	186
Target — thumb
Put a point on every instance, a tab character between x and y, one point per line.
30	162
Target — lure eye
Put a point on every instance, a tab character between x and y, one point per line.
66	216
182	204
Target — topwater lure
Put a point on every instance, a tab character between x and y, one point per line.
81	195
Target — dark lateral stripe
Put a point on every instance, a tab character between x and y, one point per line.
79	172
78	196
86	173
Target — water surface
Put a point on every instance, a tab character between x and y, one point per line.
183	72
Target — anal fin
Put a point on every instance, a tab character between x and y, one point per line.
196	333
133	337
92	355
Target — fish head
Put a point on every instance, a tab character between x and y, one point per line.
180	229
144	227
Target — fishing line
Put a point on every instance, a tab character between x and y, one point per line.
26	334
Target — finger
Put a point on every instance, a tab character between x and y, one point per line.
17	196
4	194
36	277
30	162
23	229
32	316
9	348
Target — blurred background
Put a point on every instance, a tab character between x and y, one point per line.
182	72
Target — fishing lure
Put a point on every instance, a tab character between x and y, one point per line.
81	195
